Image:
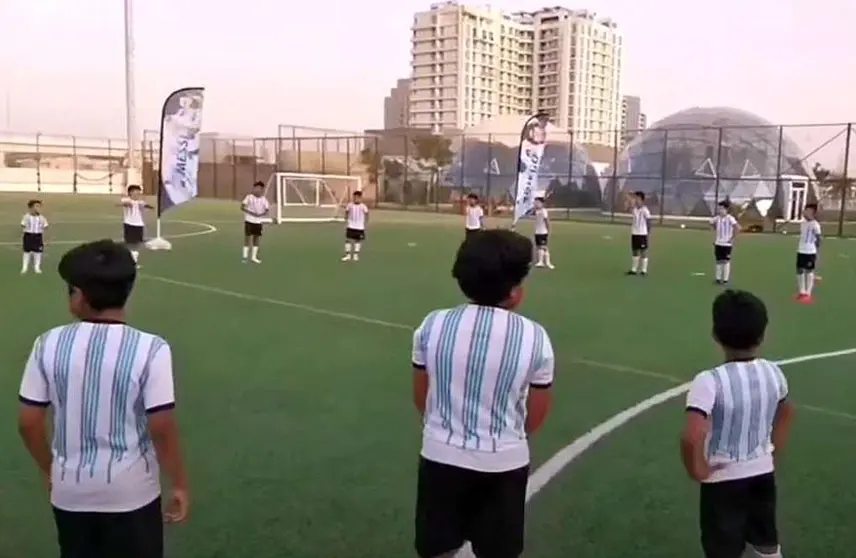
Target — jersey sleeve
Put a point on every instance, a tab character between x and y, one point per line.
246	200
44	221
702	394
647	214
817	228
125	200
24	221
783	384
35	389
544	361
419	355
157	388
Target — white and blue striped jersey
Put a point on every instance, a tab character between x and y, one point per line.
34	224
810	234
481	362
725	227
102	380
740	399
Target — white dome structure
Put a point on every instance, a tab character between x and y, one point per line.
486	161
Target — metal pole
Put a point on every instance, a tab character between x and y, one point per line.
845	180
130	101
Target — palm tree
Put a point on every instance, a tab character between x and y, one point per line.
372	160
833	185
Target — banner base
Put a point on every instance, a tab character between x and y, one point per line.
159	243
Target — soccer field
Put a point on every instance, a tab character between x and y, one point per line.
294	381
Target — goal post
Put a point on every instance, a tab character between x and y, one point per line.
309	198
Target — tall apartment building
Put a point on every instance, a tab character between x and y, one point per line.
633	120
396	106
472	63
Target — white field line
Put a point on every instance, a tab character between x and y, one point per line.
553	466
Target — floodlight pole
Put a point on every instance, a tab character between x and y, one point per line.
130	101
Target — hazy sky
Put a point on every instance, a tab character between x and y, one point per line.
330	63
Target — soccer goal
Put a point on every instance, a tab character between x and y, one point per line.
310	198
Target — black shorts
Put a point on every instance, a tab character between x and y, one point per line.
806	262
134	235
355	234
638	242
471	232
252	229
454	505
134	534
722	253
738	512
33	242
541	240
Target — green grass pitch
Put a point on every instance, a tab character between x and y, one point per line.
294	381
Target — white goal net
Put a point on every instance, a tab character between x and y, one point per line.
309	198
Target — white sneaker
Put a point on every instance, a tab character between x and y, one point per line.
539	264
256	261
38	270
23	272
346	258
551	266
356	258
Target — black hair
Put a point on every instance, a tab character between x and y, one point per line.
358	193
639	194
540	199
739	320
812	206
490	264
32	203
725	203
134	188
472	196
258	184
103	271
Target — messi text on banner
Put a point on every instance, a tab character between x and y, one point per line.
533	140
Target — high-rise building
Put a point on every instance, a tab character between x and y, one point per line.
472	63
633	120
396	106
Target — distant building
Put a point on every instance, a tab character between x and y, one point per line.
470	64
396	105
633	120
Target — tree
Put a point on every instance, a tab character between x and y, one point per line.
392	169
432	153
372	160
832	184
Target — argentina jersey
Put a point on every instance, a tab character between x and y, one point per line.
101	380
741	400
481	362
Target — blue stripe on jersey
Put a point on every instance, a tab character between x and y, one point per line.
535	362
39	357
444	364
717	416
92	368
61	368
771	382
735	431
475	372
756	404
125	358
508	367
424	338
145	440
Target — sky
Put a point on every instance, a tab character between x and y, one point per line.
329	64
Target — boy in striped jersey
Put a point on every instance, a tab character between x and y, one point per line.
474	219
639	230
810	239
110	390
726	228
33	226
357	216
542	235
255	207
133	224
481	383
738	418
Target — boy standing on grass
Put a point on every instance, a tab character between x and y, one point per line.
33	226
357	216
134	226
481	383
474	220
810	239
725	227
109	388
255	208
542	235
738	419
640	229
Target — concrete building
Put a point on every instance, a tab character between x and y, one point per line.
633	120
396	106
472	63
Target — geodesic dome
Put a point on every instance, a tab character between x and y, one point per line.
486	161
686	163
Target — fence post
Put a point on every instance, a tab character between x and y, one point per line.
234	171
570	169
255	162
845	180
488	180
215	166
299	142
405	183
716	172
38	161
381	174
324	154
614	178
663	170
462	183
74	164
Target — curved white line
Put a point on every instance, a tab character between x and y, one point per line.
553	466
207	228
